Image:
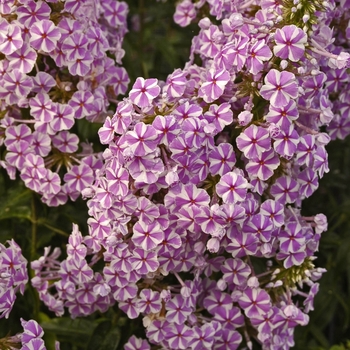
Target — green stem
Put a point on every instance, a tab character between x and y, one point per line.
33	242
34	230
54	229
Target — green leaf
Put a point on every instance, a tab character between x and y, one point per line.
16	203
76	332
105	337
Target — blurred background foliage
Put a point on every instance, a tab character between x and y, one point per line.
154	47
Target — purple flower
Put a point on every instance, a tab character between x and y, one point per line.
217	299
219	115
214	85
17	83
234	53
291	238
115	13
260	226
81	66
167	127
273	210
66	142
308	181
294	258
143	261
185	13
189	195
44	35
63	118
285	190
177	311
222	159
79	177
43	82
193	131
142	140
229	339
210	41
82	104
187	110
31	330
235	271
149	302
257	54
230	317
242	244
23	59
32	12
203	337
282	116
175	84
290	42
286	142
255	302
144	92
279	87
17	152
75	46
263	166
253	141
12	40
118	181
232	188
42	108
147	237
122	117
136	344
178	336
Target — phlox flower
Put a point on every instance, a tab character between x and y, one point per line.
255	302
66	142
219	115
257	54
185	13
63	118
23	59
42	108
290	43
80	66
136	343
222	159
279	87
10	37
31	12
147	236
286	142
44	35
214	84
253	141
75	46
263	166
144	92
142	139
232	188
285	190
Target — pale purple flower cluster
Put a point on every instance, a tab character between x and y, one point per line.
29	339
55	70
13	276
196	209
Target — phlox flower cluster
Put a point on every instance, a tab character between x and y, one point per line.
196	209
54	70
13	276
29	339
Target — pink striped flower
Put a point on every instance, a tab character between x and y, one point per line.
144	92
